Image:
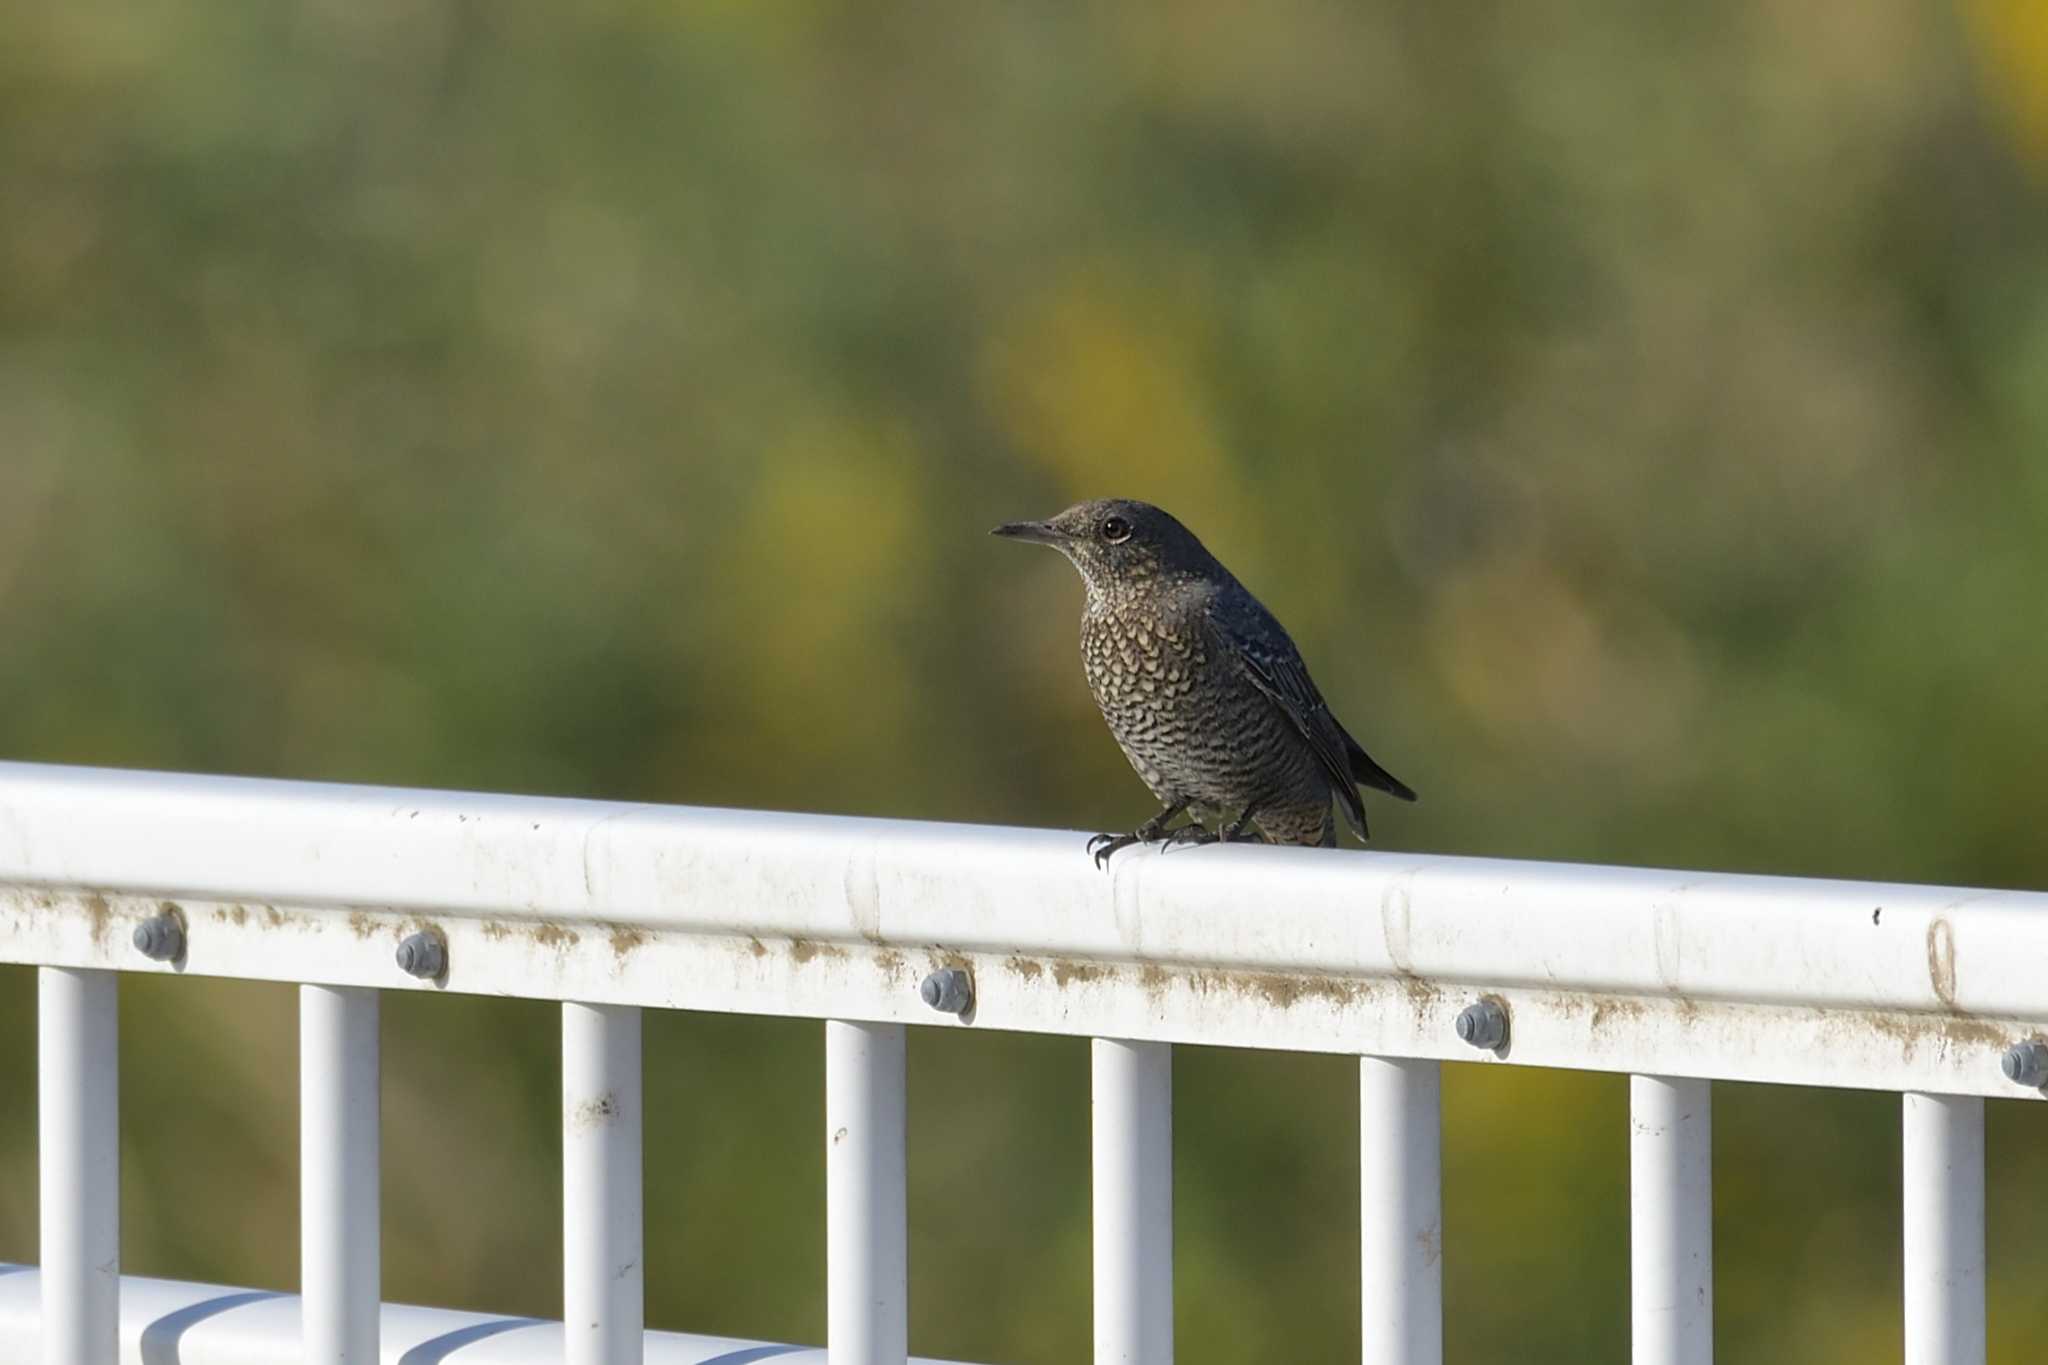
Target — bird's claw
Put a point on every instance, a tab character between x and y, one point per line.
1103	845
1193	836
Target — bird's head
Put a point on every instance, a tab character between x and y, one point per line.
1118	542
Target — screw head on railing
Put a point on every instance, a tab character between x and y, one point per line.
1483	1024
949	991
2026	1063
160	938
423	955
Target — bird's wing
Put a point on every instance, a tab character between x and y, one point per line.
1269	659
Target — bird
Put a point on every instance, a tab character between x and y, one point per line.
1203	688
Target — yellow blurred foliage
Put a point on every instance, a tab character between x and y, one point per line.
1100	381
2011	41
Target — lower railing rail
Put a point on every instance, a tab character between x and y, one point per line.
172	1322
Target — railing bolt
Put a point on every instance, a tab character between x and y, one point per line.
423	955
160	938
2026	1063
1483	1024
949	991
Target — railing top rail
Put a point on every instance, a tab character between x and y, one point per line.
1830	982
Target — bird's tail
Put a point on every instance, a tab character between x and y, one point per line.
1372	774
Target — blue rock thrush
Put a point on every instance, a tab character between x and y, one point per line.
1202	688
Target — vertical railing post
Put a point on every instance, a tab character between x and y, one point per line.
1943	1177
339	1266
603	1298
866	1178
1400	1139
1671	1220
78	1146
1133	1177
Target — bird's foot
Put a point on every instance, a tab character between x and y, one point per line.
1194	836
1103	845
1153	831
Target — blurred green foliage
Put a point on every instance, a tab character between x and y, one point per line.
1637	412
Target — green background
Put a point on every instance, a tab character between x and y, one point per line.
1639	414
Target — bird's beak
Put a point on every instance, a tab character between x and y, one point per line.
1037	532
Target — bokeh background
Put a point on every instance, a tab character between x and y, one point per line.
1638	413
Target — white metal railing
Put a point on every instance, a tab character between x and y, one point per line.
1404	960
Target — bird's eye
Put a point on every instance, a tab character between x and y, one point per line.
1116	530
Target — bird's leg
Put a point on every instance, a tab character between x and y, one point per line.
1102	845
1240	830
